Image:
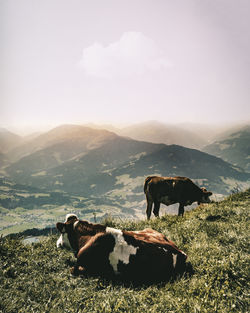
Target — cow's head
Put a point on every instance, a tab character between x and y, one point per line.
74	231
66	229
205	196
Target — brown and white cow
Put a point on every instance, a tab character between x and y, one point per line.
140	256
170	190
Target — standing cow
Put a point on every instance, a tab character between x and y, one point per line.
170	190
139	256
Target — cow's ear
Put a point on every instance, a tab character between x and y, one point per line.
209	193
60	227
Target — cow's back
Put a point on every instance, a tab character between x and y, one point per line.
156	186
186	189
175	188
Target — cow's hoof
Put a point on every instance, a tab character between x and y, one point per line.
81	270
74	270
77	270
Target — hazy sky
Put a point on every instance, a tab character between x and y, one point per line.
124	61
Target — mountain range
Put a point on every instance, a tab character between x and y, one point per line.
233	148
190	135
83	160
74	140
155	132
96	172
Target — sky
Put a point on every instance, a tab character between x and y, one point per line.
124	61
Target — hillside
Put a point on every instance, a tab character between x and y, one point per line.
234	148
8	140
227	130
36	278
3	160
23	207
156	132
65	141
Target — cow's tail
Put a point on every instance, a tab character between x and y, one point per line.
146	183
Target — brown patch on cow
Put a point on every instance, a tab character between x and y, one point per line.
89	229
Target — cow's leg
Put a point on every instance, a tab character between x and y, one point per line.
149	208
92	258
156	208
181	209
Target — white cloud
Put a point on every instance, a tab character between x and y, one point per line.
132	55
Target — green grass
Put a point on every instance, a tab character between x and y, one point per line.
36	278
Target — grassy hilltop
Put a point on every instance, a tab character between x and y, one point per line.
36	278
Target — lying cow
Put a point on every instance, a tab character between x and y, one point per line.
140	256
170	190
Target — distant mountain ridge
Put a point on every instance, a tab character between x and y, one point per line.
234	148
8	140
91	164
156	132
84	137
190	135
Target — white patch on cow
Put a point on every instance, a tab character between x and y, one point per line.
122	250
184	254
174	260
70	215
75	224
59	241
63	240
